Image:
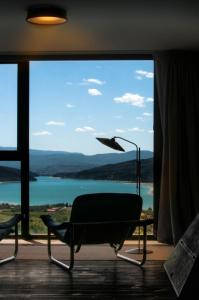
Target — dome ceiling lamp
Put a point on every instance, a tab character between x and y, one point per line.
46	15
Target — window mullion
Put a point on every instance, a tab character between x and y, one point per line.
23	141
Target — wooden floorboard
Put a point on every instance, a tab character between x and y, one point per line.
31	279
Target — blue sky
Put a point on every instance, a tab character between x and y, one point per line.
72	102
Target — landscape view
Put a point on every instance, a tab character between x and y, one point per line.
72	103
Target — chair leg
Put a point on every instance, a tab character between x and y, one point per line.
134	261
58	262
10	258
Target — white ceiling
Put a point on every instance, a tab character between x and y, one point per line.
124	26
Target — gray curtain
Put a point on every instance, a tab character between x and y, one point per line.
176	143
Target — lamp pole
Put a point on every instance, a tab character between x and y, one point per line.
138	163
114	145
138	182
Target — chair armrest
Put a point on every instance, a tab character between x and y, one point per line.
12	222
49	222
114	222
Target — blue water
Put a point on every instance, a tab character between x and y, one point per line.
50	190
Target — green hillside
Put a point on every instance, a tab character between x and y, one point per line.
124	171
13	174
51	162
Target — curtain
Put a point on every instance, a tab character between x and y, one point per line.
176	142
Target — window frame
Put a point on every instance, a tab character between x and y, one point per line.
21	154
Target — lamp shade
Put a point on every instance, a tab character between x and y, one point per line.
111	143
46	15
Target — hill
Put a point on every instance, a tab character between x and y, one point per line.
12	174
124	171
51	162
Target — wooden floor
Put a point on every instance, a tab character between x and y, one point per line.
117	279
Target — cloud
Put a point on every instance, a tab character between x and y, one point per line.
119	130
92	81
139	118
68	105
94	92
129	98
85	129
150	131
146	114
149	99
144	74
118	117
136	129
42	133
69	83
55	123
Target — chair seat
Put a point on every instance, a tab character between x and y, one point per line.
5	232
6	228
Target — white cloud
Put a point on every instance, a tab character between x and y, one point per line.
129	98
85	129
119	130
55	123
149	99
136	129
42	133
146	114
69	83
144	74
94	92
150	131
68	105
118	117
92	81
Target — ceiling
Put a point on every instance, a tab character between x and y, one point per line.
102	26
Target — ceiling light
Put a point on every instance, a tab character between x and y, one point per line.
46	15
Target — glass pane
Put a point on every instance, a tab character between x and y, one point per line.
10	189
8	102
72	103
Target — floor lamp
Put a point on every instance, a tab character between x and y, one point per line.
111	143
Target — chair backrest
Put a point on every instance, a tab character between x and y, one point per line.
104	207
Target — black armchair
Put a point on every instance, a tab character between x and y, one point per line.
6	228
97	219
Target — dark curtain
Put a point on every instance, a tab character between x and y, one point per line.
176	143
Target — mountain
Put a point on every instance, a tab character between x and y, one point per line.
124	171
12	174
51	162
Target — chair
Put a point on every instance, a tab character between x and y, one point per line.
6	228
97	219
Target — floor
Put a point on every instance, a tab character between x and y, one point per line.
106	279
97	273
37	249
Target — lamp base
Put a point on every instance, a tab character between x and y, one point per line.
138	251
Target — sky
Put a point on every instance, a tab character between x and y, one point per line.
73	102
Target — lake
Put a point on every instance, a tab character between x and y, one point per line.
51	190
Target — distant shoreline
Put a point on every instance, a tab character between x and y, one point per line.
65	190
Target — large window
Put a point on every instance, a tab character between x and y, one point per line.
51	113
72	103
